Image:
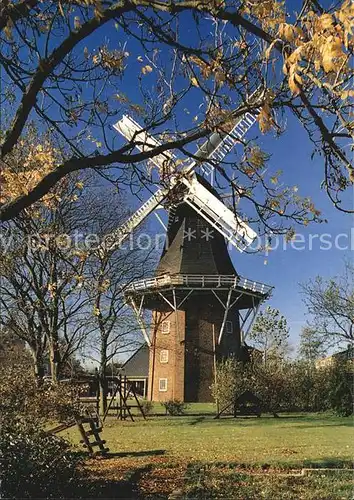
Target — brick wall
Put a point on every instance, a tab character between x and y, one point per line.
173	369
189	371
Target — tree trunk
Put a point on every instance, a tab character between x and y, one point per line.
54	362
38	365
102	378
38	368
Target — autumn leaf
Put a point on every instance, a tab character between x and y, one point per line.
77	22
8	30
96	311
146	69
332	54
325	21
287	32
346	93
194	82
294	81
265	118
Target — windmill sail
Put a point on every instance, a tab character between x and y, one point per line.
116	238
237	232
219	144
131	130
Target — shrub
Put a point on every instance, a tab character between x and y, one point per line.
340	394
174	407
33	463
232	379
287	386
147	406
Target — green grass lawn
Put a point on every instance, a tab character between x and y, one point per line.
231	458
289	440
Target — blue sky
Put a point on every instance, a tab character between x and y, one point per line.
285	269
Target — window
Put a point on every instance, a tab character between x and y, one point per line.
165	327
162	384
164	356
229	328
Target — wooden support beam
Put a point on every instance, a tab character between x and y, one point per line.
227	308
141	321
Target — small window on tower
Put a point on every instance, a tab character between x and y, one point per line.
164	356
165	327
163	384
229	328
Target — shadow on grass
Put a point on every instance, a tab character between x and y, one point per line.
147	453
328	463
197	421
329	423
124	489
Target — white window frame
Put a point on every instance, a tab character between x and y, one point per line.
229	327
165	381
166	327
164	356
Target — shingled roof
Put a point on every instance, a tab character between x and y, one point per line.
193	246
138	364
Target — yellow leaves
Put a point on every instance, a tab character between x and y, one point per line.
274	204
103	287
291	62
345	94
294	81
269	50
81	255
38	161
325	22
61	10
292	68
8	30
332	54
194	81
113	60
346	17
52	287
265	118
146	69
96	311
270	13
77	22
287	32
321	43
257	158
290	33
96	59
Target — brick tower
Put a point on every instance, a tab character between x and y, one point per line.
199	306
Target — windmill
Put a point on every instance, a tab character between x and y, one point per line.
215	148
201	308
